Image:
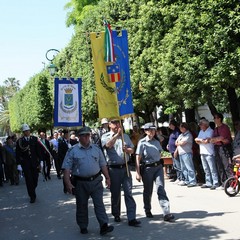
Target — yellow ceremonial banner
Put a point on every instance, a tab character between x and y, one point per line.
106	90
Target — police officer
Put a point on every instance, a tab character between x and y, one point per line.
28	154
115	150
85	161
149	153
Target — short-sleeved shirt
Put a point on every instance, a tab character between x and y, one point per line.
115	154
223	131
206	148
84	162
149	150
186	148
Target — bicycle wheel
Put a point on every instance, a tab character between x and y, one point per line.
232	186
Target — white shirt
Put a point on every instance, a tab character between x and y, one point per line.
207	148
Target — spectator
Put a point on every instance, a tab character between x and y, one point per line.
46	155
184	147
207	155
222	141
173	125
236	141
1	165
54	150
9	157
63	146
200	176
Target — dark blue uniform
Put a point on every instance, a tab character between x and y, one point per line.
28	154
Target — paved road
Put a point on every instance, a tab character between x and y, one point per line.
201	214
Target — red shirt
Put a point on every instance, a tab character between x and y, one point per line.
223	131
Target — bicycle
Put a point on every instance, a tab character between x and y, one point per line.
232	184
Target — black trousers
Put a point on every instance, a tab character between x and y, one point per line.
31	178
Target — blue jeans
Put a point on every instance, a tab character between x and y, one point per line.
210	169
188	168
177	167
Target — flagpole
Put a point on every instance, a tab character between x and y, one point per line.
125	154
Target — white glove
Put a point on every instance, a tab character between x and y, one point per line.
19	167
41	164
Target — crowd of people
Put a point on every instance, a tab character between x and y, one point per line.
202	156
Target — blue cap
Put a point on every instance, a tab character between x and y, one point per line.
149	126
84	130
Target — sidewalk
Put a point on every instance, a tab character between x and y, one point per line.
201	214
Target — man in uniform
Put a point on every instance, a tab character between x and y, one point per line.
117	154
28	154
85	161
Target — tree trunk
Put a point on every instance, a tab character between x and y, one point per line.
190	115
212	108
233	103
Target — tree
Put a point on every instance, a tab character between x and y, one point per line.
7	91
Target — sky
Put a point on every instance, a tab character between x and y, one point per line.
28	29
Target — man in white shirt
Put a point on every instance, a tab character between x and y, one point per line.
207	155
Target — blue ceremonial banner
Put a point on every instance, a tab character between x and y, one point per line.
67	102
124	93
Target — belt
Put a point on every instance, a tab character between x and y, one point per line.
155	164
78	178
117	166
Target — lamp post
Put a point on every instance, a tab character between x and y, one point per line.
50	56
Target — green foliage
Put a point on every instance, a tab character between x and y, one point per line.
79	9
32	105
182	54
7	91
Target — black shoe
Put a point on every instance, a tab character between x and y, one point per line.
213	187
105	229
59	176
49	178
149	215
205	186
117	219
84	231
134	223
32	199
169	218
